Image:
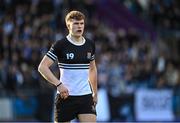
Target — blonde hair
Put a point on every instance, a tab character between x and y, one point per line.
77	15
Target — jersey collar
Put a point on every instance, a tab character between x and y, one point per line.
71	41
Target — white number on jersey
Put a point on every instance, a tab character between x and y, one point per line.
70	55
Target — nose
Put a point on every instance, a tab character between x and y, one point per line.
79	25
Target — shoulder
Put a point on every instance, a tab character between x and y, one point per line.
89	41
60	43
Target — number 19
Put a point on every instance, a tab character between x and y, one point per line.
70	55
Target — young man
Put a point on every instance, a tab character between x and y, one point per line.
77	88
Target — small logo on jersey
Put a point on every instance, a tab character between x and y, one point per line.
88	55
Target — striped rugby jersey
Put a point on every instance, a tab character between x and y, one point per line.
73	62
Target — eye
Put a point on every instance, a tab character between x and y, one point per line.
76	23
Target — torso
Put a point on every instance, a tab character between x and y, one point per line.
73	62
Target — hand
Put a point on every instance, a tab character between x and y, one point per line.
95	99
63	91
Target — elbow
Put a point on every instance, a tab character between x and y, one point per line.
40	68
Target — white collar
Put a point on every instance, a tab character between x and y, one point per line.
77	44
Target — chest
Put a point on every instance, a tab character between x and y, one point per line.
76	54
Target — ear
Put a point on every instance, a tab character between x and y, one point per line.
68	25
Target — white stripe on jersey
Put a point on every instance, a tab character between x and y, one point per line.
51	55
73	66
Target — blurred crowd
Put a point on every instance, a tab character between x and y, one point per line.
162	13
126	61
28	28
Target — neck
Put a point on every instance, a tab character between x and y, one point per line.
76	38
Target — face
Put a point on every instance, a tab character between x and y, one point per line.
76	27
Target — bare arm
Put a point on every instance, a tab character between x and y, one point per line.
44	69
93	79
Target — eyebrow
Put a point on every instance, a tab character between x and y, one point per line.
78	22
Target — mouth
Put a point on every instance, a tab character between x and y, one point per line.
79	31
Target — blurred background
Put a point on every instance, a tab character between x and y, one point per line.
137	56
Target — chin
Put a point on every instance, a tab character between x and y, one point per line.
78	35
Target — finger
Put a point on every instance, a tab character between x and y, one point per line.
63	92
67	92
95	102
62	95
65	96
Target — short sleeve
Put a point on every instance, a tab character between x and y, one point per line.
52	53
93	51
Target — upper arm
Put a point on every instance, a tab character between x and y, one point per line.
46	61
51	56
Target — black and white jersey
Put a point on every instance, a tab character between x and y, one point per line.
73	62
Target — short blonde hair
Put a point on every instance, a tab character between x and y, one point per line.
77	15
